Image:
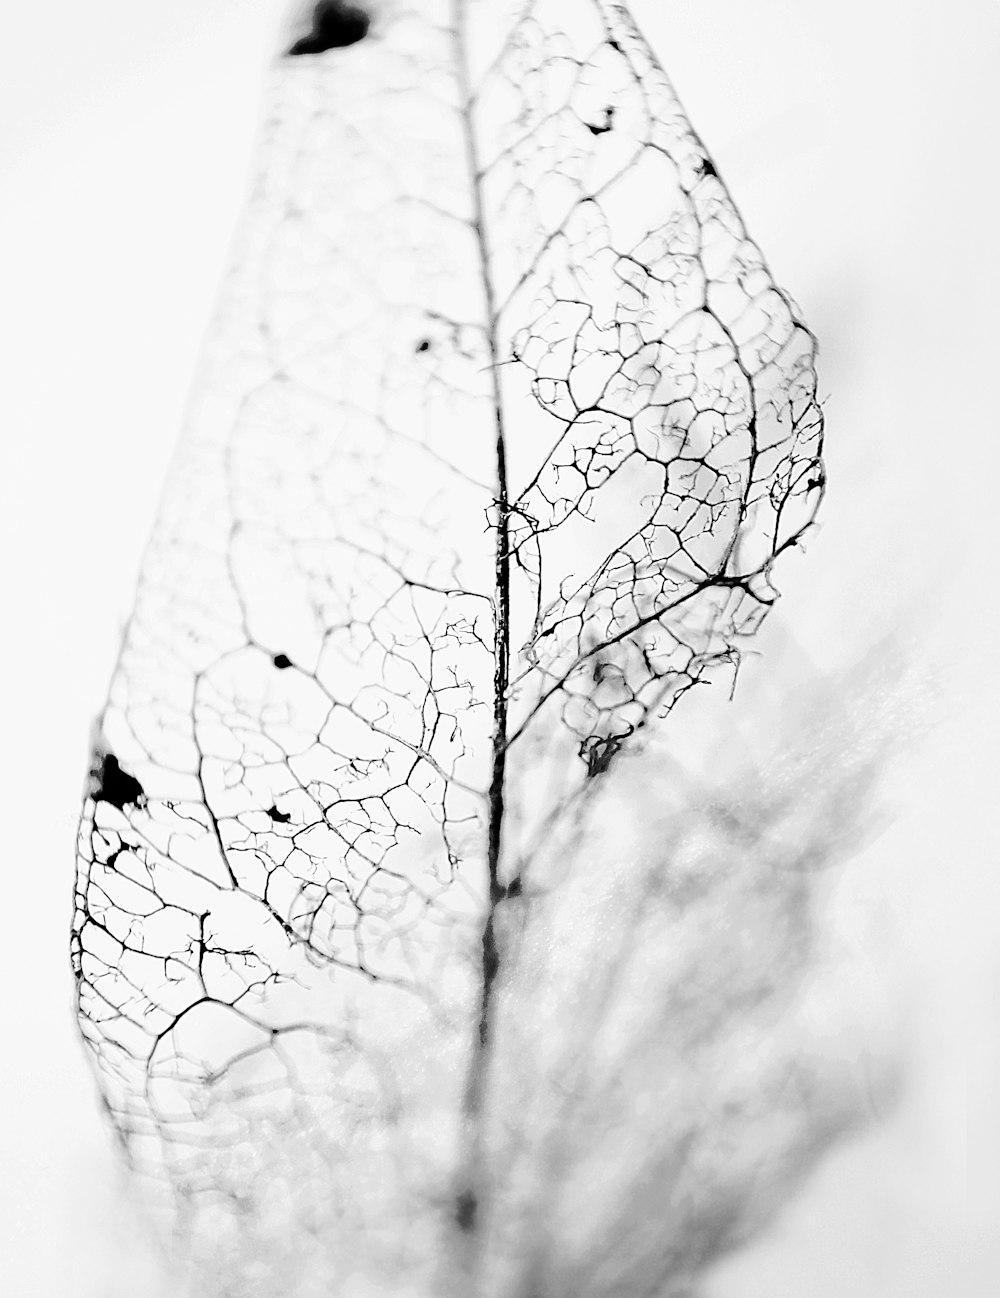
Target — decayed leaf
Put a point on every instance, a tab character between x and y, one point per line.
502	427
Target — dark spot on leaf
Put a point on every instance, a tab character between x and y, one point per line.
424	345
491	956
597	753
115	786
279	817
335	24
281	661
708	167
514	888
465	1210
601	128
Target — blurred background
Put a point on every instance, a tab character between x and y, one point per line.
858	142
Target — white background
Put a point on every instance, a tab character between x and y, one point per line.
859	140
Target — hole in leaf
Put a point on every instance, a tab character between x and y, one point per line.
335	24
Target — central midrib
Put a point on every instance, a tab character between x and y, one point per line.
474	1095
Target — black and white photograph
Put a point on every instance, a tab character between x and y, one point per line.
500	649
